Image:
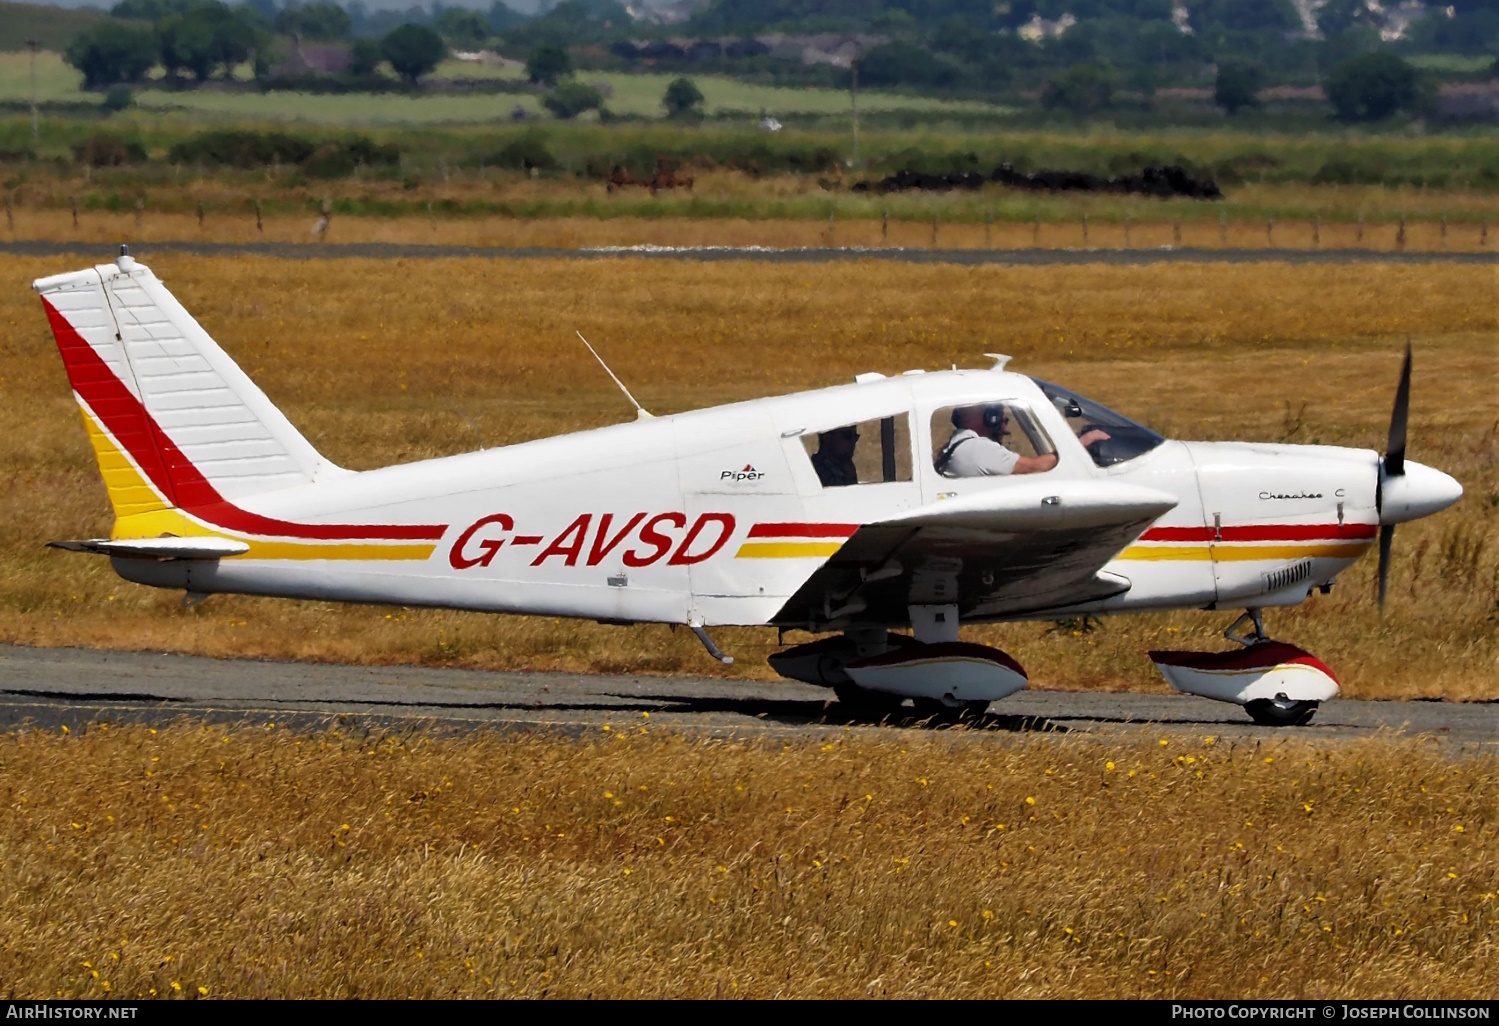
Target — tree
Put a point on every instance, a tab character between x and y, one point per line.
118	98
905	64
570	99
1237	85
109	54
412	51
1371	87
207	36
462	28
1081	89
319	20
682	99
548	63
364	57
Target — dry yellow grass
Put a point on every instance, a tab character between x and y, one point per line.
263	863
381	362
108	229
729	208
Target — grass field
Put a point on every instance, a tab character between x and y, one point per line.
489	207
52	27
638	95
385	362
196	862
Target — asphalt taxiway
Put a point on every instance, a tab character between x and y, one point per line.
52	687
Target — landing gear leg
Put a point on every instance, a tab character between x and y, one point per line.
1256	617
1279	711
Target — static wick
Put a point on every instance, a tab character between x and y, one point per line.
640	413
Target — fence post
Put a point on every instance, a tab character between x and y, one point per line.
1317	232
1400	235
259	225
1360	229
73	203
1269	231
200	215
1483	233
1085	230
10	216
1444	231
885	227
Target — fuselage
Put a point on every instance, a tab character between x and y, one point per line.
718	516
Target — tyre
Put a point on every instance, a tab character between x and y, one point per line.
864	704
937	711
1280	712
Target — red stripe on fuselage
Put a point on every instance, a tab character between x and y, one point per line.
803	530
1262	532
170	470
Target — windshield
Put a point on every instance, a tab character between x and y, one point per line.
1125	440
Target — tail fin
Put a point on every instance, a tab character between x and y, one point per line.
174	421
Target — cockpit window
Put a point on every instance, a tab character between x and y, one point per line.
1125	439
990	439
870	452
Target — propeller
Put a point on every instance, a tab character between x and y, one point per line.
1393	465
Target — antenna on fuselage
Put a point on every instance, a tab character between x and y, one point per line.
640	413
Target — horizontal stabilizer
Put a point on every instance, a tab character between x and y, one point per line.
157	548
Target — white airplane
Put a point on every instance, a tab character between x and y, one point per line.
823	511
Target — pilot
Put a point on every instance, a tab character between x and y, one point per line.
834	458
976	447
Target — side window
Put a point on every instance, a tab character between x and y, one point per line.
990	439
870	452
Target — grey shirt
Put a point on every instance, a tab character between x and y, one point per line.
970	455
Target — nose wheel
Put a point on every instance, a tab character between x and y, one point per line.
1280	712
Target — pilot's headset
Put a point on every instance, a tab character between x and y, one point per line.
994	415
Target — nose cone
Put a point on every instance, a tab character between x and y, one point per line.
1419	492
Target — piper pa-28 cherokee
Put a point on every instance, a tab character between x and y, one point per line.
730	515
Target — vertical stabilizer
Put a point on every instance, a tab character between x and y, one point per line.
173	419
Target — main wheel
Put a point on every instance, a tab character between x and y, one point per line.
938	711
1280	712
864	704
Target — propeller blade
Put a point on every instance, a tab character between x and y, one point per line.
1386	536
1394	457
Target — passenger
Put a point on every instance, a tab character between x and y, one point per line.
834	459
976	450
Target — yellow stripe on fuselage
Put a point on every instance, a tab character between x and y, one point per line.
1244	553
787	550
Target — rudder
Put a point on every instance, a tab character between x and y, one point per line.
173	420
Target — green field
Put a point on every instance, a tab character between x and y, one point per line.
55	81
52	27
633	95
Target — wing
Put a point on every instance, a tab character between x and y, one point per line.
1011	550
